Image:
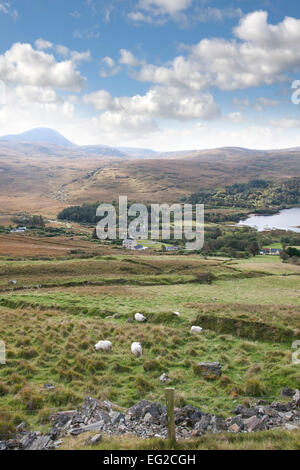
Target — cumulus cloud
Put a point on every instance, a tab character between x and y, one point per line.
158	102
261	54
41	44
22	64
127	58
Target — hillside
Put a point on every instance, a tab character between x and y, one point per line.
46	177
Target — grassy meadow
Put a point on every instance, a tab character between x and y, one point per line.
50	321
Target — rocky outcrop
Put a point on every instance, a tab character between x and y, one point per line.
148	419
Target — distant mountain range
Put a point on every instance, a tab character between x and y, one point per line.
45	141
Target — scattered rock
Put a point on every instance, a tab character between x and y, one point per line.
94	440
253	424
164	378
147	419
21	427
189	415
287	392
210	369
234	428
49	387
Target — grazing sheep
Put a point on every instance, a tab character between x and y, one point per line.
177	314
196	329
139	317
103	346
136	349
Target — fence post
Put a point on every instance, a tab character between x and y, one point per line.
170	397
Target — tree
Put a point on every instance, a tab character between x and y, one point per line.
253	248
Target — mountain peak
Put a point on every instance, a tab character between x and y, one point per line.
39	135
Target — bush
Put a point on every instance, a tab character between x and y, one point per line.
254	387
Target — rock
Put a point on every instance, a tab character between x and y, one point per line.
238	421
140	409
245	412
94	440
93	411
130	320
218	424
202	425
164	378
296	397
21	427
13	444
290	427
210	369
234	428
287	392
253	424
116	417
75	431
188	415
3	445
288	416
49	387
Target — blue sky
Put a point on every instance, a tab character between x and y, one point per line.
166	74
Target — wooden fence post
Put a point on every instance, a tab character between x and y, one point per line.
170	397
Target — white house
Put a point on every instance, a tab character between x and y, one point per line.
129	244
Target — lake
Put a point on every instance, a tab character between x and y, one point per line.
287	219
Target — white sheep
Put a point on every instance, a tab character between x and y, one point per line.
196	329
177	314
136	349
103	346
139	317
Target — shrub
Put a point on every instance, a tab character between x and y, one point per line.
254	388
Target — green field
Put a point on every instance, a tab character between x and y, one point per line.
249	310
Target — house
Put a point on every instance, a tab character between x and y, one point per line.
275	251
270	251
172	248
129	244
19	230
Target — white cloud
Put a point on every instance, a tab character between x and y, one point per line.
286	123
127	58
6	9
262	55
204	15
22	64
159	11
159	102
236	117
165	6
113	69
41	44
35	94
262	103
109	61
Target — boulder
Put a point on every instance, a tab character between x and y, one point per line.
209	369
253	424
189	415
287	392
140	409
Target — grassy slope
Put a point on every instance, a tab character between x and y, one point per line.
50	332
